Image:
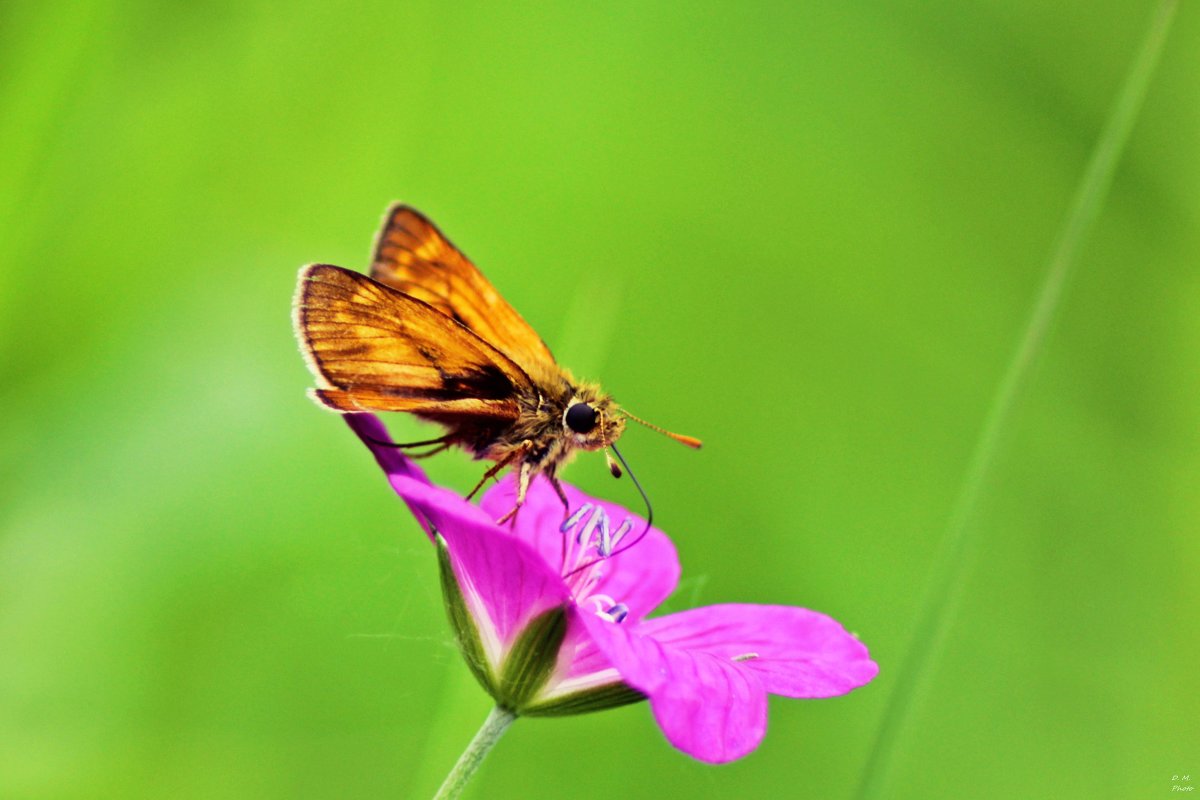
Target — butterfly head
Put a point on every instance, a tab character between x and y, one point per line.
591	420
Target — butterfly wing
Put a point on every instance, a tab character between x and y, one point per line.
413	256
373	348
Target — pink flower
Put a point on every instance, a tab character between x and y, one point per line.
552	616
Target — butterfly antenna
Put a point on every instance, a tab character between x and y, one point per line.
690	441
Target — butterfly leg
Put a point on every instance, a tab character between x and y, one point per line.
562	495
524	476
442	440
432	452
491	473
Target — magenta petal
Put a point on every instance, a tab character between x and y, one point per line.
579	657
794	651
391	459
537	522
504	578
709	707
498	574
641	577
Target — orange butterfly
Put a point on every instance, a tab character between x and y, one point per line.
427	334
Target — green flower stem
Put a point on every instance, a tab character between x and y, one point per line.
489	733
950	567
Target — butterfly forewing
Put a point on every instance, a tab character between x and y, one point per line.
412	256
375	348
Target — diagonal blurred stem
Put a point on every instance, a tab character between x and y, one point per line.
489	733
940	600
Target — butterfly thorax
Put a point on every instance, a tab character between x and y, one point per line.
541	435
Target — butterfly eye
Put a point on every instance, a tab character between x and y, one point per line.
581	418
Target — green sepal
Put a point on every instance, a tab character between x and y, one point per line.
465	632
585	701
532	658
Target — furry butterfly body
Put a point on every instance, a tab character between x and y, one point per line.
427	334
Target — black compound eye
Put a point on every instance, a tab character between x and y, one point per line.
581	418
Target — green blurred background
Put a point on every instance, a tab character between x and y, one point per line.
808	233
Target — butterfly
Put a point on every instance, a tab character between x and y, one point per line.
426	333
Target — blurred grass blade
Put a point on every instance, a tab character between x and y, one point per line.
945	582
